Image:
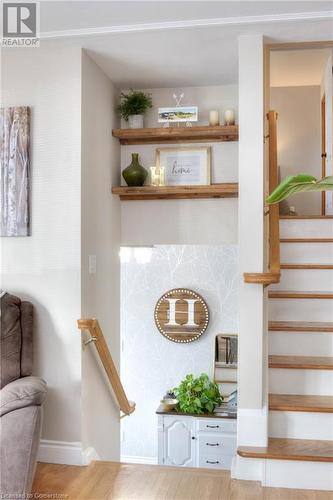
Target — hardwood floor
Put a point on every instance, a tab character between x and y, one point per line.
115	481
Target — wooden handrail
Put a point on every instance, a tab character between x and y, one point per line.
97	337
273	273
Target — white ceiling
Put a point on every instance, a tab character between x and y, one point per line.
295	68
177	43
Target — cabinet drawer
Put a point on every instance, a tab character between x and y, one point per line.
217	425
215	445
223	462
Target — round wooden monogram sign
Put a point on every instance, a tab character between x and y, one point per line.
181	315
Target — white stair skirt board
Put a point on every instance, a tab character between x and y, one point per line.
306	228
300	344
311	280
305	253
300	425
294	381
301	309
298	474
128	459
248	469
252	426
64	452
251	431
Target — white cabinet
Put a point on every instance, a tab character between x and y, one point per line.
187	441
178	441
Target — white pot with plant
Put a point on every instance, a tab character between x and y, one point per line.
133	105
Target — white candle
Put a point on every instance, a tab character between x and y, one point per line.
229	117
157	176
154	178
214	118
162	176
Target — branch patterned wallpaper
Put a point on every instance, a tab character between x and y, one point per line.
151	364
14	171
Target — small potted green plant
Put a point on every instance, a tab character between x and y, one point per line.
133	105
197	395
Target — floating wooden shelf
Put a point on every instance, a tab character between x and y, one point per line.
229	190
128	136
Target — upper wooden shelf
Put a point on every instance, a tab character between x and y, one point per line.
228	190
128	136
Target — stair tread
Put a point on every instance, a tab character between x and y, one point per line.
300	326
299	402
301	362
306	217
291	449
296	294
306	266
306	240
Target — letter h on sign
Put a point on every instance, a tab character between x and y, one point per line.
190	312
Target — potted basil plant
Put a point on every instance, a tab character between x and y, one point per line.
133	105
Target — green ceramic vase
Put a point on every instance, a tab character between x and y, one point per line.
135	174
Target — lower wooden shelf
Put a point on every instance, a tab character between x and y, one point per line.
226	190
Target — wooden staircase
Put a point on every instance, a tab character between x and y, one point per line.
299	451
293	335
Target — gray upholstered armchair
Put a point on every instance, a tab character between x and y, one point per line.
21	397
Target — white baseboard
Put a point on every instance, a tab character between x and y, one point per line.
138	460
65	452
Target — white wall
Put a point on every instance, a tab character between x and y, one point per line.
45	268
299	140
151	364
185	221
100	219
252	416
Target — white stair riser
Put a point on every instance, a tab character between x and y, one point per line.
301	309
306	228
306	280
296	381
300	425
299	474
301	344
300	253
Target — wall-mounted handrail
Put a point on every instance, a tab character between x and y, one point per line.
273	273
97	337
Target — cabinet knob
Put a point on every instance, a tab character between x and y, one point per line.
193	437
209	462
212	426
212	444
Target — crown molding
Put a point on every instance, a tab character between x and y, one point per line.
195	23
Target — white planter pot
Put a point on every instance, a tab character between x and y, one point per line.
135	121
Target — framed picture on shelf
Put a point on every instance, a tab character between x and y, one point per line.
178	114
185	166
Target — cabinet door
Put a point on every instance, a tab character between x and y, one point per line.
179	447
